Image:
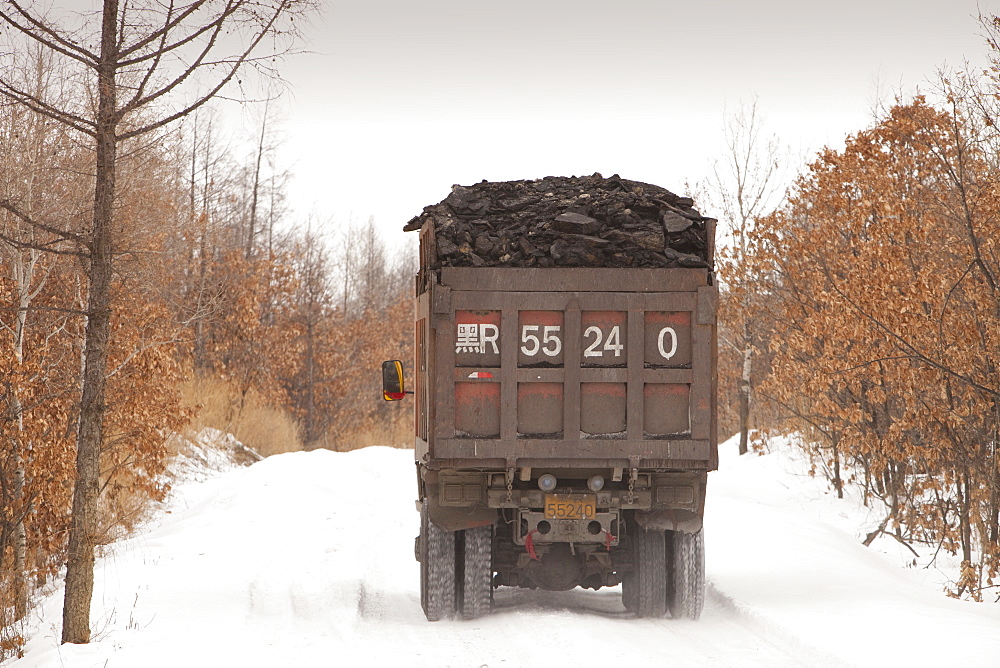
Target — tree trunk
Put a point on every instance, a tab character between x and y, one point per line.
837	482
20	536
310	424
83	528
23	271
993	520
22	264
993	523
966	521
252	232
745	394
202	217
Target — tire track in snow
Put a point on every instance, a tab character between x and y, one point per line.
775	633
719	639
371	602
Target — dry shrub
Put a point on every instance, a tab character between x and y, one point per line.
119	511
396	433
11	638
268	429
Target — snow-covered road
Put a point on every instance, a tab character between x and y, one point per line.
299	561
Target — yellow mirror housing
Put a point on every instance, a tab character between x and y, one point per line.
392	380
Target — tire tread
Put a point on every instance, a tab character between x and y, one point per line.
437	569
476	587
688	581
651	574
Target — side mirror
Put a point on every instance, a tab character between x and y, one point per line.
392	380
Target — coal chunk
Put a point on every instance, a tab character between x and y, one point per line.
576	223
585	221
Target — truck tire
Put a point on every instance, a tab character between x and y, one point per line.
687	595
476	585
650	574
630	596
437	569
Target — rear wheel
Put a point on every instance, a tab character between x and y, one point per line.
629	593
437	569
649	586
476	584
687	595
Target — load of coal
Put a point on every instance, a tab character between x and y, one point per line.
585	221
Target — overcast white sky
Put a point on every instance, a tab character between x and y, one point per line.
401	99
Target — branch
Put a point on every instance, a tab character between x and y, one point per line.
141	349
915	353
162	33
235	66
39	106
813	421
67	236
23	245
53	41
947	299
870	362
165	48
158	53
138	100
48	309
26	507
880	531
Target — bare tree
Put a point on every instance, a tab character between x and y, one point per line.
312	312
154	63
745	185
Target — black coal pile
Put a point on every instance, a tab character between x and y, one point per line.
585	221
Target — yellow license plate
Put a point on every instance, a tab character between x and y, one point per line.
570	506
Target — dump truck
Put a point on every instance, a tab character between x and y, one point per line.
564	423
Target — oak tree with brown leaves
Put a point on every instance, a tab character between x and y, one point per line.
880	279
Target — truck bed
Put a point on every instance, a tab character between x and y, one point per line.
586	367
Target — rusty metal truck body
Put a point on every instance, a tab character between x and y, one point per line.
565	424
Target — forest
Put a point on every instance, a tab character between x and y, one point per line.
223	309
862	316
227	313
860	312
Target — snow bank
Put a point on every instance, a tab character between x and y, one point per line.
787	556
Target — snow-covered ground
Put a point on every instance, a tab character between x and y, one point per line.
297	560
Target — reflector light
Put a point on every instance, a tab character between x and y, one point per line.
547	482
596	483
